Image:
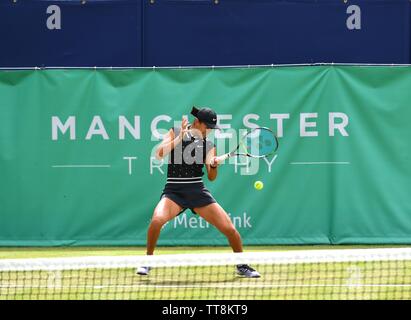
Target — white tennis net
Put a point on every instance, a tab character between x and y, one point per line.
299	274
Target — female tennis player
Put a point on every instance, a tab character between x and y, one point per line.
189	151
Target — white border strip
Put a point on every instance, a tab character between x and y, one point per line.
319	163
81	166
287	257
214	67
184	178
178	182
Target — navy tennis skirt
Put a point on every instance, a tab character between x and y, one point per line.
188	195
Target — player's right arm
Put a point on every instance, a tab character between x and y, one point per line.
170	140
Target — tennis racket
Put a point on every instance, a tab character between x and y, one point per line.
257	143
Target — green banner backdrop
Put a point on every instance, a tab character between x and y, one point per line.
76	163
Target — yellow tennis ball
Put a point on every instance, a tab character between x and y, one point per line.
258	185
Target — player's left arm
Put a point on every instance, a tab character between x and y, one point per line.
211	165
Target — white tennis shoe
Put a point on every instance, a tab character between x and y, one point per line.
143	271
246	271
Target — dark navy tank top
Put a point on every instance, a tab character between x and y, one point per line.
186	161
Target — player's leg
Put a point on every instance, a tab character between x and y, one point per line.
165	210
216	215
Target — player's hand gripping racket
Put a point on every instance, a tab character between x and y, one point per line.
257	143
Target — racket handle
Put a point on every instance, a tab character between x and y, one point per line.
222	158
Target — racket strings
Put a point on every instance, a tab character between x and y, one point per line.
260	142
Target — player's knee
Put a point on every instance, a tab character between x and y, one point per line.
158	221
230	231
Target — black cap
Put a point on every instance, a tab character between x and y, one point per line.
206	115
